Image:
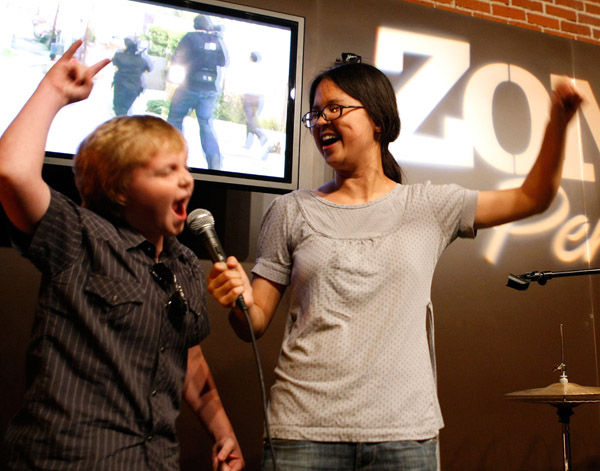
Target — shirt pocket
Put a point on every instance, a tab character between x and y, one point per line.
115	297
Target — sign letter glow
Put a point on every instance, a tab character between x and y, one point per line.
447	60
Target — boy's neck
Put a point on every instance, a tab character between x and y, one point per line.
157	240
159	247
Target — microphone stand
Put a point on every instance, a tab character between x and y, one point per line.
521	282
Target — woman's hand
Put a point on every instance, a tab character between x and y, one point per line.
227	281
565	103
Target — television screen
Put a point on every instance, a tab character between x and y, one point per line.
226	75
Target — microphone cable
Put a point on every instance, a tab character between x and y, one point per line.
244	308
201	223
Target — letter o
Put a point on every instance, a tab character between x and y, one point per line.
478	103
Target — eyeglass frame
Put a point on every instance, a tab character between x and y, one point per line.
310	116
177	300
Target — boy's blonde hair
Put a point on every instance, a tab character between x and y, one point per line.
106	157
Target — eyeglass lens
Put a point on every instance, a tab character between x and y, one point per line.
329	112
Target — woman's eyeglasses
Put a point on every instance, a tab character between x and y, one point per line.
177	304
328	112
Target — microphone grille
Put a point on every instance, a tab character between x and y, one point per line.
199	219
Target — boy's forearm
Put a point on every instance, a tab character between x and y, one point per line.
200	392
213	416
23	193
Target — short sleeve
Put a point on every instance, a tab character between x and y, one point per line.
454	208
58	237
273	250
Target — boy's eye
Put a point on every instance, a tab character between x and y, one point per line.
165	171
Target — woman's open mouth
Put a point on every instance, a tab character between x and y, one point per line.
329	139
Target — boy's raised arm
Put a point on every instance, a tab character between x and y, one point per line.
23	194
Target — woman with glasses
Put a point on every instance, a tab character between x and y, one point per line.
354	380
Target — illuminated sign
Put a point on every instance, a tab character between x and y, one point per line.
444	63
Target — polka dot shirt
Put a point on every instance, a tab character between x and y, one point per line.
355	363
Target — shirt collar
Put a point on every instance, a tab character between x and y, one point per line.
132	239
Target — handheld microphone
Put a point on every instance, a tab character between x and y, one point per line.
201	223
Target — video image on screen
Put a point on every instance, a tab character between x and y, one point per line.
226	77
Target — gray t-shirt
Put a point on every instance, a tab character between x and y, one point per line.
355	363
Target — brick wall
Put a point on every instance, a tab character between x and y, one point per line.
574	19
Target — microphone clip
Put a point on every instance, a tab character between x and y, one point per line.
521	282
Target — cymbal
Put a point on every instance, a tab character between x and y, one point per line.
558	393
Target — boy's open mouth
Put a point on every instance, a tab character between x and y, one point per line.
179	208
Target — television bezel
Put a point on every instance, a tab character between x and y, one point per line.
254	182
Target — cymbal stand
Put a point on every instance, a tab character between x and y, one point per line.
564	411
564	414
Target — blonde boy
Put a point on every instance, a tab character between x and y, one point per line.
121	312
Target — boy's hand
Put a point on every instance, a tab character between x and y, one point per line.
73	80
227	456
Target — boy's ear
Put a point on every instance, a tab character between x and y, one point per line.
120	198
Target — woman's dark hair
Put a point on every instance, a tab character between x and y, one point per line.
372	88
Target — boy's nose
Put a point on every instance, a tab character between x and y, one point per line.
186	179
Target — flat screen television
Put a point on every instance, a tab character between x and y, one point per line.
261	73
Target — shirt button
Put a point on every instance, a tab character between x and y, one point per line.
149	438
153	393
162	349
115	298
